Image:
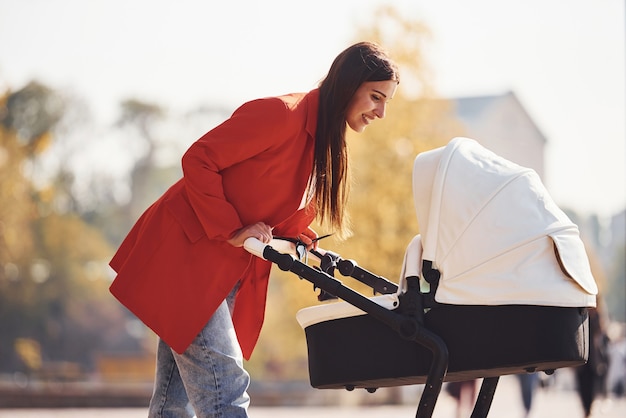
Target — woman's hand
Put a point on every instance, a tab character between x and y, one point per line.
259	230
309	238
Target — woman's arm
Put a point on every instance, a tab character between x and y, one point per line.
253	128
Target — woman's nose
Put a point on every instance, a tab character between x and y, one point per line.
380	110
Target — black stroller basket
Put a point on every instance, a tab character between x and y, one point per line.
420	341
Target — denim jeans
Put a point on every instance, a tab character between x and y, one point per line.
209	376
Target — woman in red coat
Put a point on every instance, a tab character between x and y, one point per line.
270	169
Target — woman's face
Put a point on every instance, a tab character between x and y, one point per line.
369	102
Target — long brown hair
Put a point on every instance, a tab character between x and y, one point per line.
361	62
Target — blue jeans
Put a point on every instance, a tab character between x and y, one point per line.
209	375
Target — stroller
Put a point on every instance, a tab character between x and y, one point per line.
497	283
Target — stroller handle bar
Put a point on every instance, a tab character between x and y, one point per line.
346	267
256	247
407	327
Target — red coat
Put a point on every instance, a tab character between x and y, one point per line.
175	267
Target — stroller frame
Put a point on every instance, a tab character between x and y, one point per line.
516	303
407	320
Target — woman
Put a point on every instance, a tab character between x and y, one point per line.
270	169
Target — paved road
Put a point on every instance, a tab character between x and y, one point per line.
547	403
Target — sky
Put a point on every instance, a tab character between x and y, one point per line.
564	59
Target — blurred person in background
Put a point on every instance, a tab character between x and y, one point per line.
591	377
616	375
528	385
464	393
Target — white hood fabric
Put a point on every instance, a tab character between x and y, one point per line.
494	233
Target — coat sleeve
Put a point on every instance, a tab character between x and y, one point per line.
252	129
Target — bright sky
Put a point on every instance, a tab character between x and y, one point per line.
565	60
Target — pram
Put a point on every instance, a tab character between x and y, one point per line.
497	283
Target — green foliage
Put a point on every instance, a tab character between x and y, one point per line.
53	272
32	113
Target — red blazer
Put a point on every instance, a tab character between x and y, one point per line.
175	267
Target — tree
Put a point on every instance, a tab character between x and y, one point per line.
16	241
381	201
53	273
32	113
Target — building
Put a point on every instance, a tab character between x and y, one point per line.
501	124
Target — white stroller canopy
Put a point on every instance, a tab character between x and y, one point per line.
494	233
